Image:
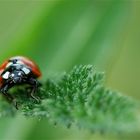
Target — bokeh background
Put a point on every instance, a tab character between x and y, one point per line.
59	34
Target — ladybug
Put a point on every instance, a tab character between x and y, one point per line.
16	71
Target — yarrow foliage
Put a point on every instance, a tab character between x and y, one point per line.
79	97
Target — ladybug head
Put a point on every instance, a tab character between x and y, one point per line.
16	74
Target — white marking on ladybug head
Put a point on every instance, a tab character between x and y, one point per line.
12	74
26	70
6	75
19	73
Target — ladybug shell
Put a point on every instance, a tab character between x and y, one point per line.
34	68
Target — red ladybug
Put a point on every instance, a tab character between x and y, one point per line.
18	70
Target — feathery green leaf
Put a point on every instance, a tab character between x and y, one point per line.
79	97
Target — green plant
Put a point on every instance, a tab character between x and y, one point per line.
79	97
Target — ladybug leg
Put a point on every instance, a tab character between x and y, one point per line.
4	90
8	97
34	85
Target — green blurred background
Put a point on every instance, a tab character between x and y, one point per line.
59	34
